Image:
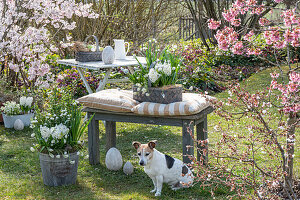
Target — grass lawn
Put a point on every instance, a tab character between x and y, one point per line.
21	178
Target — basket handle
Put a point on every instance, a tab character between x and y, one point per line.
96	39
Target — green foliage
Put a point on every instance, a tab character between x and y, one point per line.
57	126
160	69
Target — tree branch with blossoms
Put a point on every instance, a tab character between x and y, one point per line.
25	37
256	157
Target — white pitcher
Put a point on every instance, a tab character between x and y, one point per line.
120	52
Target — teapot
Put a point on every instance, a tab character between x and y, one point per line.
120	52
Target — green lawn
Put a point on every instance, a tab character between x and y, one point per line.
21	178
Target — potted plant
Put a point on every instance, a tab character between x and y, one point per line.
57	130
11	111
156	81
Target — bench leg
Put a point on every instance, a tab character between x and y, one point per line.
187	140
93	141
202	136
110	131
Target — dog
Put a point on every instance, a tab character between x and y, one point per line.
162	168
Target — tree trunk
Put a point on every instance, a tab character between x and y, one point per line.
291	143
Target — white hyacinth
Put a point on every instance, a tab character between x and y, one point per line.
153	75
26	101
23	101
29	101
45	132
57	132
167	69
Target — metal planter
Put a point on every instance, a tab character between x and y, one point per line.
10	120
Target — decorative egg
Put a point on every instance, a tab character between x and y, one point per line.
18	125
108	55
113	159
128	168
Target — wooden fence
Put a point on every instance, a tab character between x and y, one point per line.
188	30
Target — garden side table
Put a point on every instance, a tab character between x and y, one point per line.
186	122
129	62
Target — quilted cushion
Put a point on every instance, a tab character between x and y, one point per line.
111	99
190	104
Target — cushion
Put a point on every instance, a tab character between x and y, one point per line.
190	104
111	99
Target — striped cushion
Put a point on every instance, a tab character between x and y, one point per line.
190	104
112	100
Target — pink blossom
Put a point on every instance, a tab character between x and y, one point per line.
263	21
288	36
290	17
212	24
253	51
248	36
238	48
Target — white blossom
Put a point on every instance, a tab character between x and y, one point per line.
153	75
167	69
23	101
29	101
32	149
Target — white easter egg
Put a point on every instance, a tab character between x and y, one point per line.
18	125
113	159
108	55
128	168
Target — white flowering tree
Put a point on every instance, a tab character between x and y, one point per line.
27	32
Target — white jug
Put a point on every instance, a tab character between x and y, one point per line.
120	52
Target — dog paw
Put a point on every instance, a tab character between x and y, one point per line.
152	191
157	194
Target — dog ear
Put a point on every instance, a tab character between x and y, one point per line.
136	145
152	144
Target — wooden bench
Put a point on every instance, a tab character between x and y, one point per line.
199	120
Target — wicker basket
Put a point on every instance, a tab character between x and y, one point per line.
164	95
89	56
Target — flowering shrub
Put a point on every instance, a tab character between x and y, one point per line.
24	46
57	128
201	68
240	157
260	155
71	77
161	70
12	108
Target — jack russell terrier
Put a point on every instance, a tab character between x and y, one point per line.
162	168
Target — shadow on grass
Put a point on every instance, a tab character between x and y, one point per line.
138	185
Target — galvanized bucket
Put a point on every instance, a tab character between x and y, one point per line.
59	171
10	120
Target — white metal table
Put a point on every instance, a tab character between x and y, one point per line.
129	62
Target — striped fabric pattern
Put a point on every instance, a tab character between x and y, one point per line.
111	99
190	104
